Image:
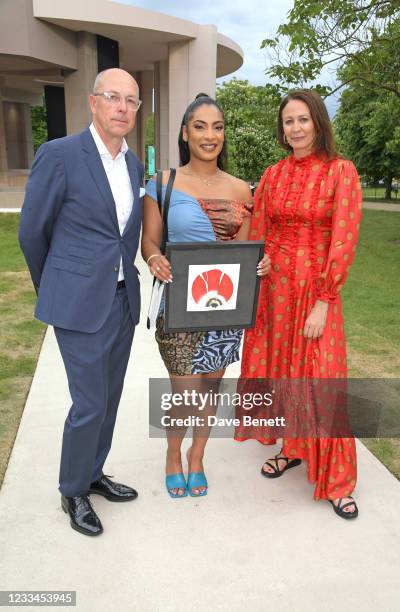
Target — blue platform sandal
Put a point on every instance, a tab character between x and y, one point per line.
176	481
196	480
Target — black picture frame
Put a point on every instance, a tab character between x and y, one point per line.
183	254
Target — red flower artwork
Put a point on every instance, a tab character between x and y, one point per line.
212	288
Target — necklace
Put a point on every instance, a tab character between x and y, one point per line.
206	181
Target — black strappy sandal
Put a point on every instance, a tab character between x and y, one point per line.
277	472
339	509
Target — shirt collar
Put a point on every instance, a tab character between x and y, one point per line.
101	147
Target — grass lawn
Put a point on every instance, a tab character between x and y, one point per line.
20	335
371	305
371	300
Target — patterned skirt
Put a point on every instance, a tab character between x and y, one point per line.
188	353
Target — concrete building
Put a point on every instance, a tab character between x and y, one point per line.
54	49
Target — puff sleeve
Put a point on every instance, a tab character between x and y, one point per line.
345	229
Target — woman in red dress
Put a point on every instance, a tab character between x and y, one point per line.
308	210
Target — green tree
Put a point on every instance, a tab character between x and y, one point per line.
39	125
368	128
149	136
363	35
255	150
250	118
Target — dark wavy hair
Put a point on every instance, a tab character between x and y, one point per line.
324	144
184	152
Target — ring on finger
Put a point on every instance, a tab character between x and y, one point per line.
158	268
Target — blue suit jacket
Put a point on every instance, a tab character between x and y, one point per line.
70	237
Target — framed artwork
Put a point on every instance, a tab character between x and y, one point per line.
215	285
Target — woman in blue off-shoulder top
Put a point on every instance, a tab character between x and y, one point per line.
206	204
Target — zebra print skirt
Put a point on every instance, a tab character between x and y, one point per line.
188	353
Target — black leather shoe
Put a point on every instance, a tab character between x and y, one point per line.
113	491
83	518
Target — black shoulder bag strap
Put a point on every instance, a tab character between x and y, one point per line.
163	208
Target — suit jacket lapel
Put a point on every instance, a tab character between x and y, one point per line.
96	168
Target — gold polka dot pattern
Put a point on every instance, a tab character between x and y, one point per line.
311	245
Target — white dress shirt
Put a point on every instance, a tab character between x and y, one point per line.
120	183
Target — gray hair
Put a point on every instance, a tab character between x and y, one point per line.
97	81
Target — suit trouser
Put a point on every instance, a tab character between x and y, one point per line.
95	364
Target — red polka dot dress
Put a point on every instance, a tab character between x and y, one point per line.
308	212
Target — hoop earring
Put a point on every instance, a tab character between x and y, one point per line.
284	138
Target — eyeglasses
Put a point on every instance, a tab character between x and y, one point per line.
114	99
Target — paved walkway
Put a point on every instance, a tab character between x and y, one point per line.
263	545
382	206
11	199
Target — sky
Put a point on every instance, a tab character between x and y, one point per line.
247	22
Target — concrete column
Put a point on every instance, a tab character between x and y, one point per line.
178	84
3	149
18	141
203	62
146	84
28	140
133	138
192	69
161	112
78	84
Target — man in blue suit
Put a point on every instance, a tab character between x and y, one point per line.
79	232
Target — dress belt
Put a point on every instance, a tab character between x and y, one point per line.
121	284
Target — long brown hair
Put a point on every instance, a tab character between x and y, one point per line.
324	144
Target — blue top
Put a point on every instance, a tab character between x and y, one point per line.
187	222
